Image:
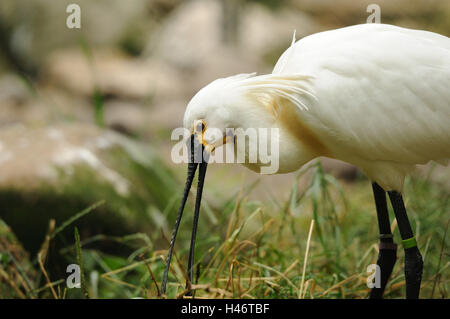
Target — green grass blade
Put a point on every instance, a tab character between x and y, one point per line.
80	263
76	216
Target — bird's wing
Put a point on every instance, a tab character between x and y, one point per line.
383	91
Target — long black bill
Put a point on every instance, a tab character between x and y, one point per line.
198	201
195	148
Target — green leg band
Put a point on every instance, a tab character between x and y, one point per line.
409	243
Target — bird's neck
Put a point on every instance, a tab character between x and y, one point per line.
288	142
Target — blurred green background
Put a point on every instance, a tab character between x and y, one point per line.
85	119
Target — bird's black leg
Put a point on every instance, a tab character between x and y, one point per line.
413	258
387	254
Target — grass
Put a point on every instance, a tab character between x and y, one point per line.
316	244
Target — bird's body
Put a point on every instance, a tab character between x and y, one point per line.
383	96
376	96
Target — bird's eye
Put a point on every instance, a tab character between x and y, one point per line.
200	126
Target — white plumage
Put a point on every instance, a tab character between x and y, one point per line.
373	95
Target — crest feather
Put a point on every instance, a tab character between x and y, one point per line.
269	88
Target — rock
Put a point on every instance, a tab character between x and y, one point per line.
268	33
189	34
126	117
196	32
35	104
192	39
135	91
55	172
30	155
13	89
113	73
165	116
14	97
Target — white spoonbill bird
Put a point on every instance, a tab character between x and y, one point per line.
373	95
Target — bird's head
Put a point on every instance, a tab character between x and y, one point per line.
243	102
222	104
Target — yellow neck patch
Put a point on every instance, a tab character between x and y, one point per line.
290	119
